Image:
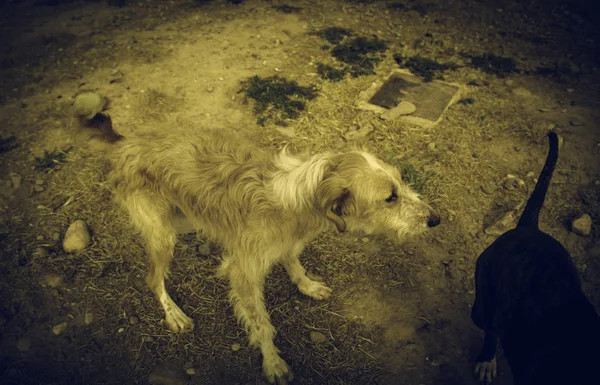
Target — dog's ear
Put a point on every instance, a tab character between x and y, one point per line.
332	197
334	211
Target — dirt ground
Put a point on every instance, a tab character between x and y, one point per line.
400	314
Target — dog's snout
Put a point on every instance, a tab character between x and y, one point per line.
433	219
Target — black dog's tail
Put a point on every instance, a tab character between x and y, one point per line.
531	214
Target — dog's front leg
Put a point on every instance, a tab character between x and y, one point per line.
486	366
246	295
297	273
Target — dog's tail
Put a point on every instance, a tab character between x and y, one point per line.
531	214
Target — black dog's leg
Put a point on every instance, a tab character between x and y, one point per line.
486	366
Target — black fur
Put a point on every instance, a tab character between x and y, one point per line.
528	294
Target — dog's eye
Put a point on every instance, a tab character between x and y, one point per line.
392	198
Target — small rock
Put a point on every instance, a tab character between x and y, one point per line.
15	180
431	146
511	184
38	188
575	122
488	188
120	330
58	329
191	371
77	237
168	375
149	339
593	251
210	89
204	249
317	337
89	316
521	91
439	360
530	174
582	225
52	280
88	104
133	320
40	252
404	108
24	344
56	236
236	347
39	182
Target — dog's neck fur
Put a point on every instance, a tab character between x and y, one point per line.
295	181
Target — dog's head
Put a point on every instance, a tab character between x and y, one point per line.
361	192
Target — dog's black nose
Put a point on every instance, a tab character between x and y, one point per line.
434	219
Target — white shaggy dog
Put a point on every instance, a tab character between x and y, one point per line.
262	208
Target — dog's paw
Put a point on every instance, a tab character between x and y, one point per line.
277	371
314	289
178	322
486	371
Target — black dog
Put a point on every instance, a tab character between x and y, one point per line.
528	294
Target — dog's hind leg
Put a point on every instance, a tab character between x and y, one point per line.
297	273
152	217
246	295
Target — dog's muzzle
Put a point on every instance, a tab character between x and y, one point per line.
434	219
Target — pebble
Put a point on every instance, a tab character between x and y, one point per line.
77	237
133	320
582	225
52	280
40	252
236	347
317	337
530	174
38	188
431	146
191	371
15	180
511	184
24	344
575	122
89	316
488	188
120	330
56	236
521	91
58	329
204	249
39	181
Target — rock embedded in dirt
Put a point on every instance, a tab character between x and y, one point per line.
317	337
24	344
168	375
204	249
582	225
88	104
88	317
52	280
488	188
575	122
77	237
58	329
15	180
521	91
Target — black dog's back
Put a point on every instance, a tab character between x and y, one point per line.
528	293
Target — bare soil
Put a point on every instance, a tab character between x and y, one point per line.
400	314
